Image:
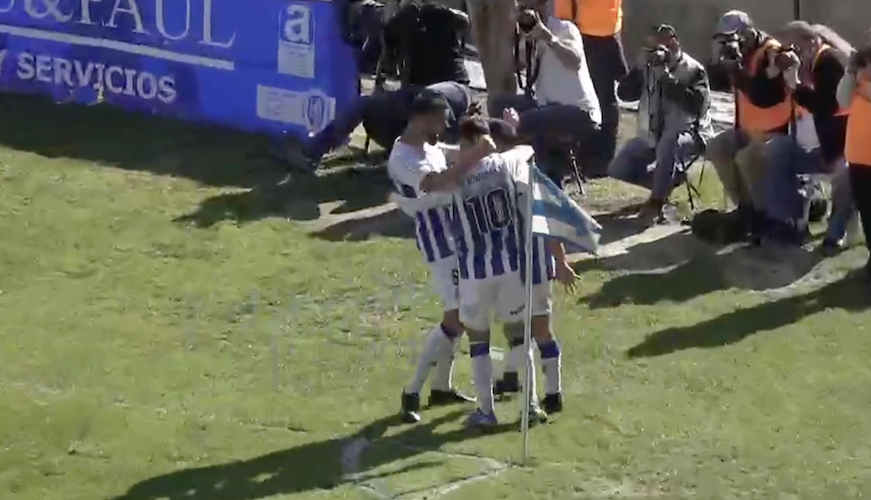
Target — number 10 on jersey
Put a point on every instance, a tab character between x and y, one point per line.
490	212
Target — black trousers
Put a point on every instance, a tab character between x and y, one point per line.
552	129
860	180
607	65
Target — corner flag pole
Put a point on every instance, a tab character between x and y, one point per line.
527	321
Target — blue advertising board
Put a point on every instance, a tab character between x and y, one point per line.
272	66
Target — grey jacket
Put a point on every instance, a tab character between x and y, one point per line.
670	102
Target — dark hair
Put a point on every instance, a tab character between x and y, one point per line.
473	127
425	104
503	132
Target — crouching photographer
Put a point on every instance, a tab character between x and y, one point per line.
755	63
816	142
559	109
674	99
427	42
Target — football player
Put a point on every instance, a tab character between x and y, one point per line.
414	160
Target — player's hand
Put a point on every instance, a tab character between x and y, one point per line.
511	116
540	32
566	275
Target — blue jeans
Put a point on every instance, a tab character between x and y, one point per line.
384	115
785	203
654	167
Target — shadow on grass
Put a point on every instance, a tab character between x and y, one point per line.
107	135
295	198
730	328
307	468
678	268
392	224
132	141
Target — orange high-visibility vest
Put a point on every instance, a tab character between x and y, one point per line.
592	17
755	120
857	149
823	48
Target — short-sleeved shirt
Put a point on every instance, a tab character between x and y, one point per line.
558	84
407	166
487	223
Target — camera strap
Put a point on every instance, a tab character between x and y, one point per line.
533	65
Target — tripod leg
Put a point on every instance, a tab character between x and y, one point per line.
579	178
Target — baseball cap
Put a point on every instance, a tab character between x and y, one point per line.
734	21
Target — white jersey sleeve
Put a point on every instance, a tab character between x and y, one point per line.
411	206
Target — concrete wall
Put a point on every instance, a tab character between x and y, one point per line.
696	19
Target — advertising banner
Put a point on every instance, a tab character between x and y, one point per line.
272	66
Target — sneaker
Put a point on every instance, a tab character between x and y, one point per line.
536	415
449	397
509	384
410	411
651	214
481	420
830	248
552	403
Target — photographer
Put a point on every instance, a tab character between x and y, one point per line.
763	107
363	29
816	145
560	108
855	92
674	98
600	23
427	40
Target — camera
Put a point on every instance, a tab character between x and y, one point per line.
785	57
657	56
729	48
526	20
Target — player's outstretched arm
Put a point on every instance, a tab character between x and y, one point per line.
564	272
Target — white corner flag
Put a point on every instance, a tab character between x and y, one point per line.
551	214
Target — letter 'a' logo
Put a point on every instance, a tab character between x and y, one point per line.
298	24
316	110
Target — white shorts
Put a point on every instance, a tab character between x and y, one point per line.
542	304
445	278
502	297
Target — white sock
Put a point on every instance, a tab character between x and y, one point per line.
551	365
533	388
436	342
482	375
444	370
513	357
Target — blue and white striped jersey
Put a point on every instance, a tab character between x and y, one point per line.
487	223
543	263
407	166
